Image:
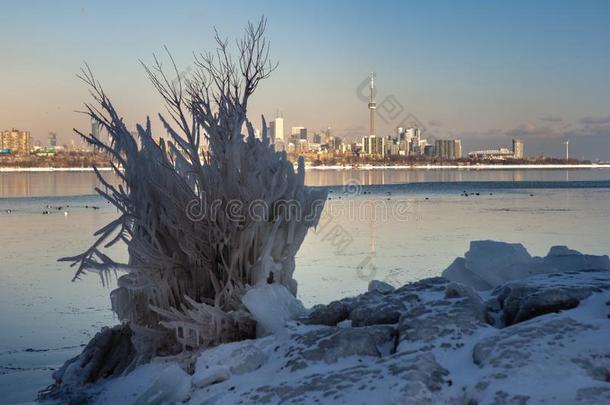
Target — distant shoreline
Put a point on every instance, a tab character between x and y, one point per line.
462	167
51	169
355	167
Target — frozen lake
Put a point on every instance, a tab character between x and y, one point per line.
402	226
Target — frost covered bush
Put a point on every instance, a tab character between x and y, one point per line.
188	269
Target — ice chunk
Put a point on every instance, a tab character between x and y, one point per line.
560	259
272	305
172	386
497	262
458	272
488	263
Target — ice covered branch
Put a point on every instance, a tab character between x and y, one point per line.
191	270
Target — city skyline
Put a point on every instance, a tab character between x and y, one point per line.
486	73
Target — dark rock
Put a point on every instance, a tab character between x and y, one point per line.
521	301
380	286
109	354
329	315
377	313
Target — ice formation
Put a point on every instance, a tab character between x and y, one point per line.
490	263
206	214
271	306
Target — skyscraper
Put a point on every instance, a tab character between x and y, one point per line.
373	145
298	133
277	129
52	139
450	149
372	106
518	148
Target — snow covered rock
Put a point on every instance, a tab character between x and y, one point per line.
488	264
272	306
371	308
209	376
237	357
520	301
331	344
446	320
330	315
446	347
559	358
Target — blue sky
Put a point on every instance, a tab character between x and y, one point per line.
480	70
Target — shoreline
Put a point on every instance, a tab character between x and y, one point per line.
355	167
52	169
462	167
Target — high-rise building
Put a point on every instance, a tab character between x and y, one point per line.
458	148
518	148
429	150
52	139
18	142
298	133
373	145
372	106
449	149
277	130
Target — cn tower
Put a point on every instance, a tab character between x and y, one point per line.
372	105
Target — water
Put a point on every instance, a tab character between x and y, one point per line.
416	231
32	184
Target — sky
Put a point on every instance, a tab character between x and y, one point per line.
483	71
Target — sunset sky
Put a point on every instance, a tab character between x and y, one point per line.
483	71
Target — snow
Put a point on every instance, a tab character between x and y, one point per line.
154	383
271	305
449	345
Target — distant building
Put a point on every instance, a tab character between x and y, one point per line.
372	106
317	138
429	151
493	154
373	145
298	133
517	148
52	139
18	142
333	143
449	149
276	128
413	138
302	146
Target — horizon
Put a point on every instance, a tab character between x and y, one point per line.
483	73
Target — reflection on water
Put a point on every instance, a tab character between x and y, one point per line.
31	184
397	176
